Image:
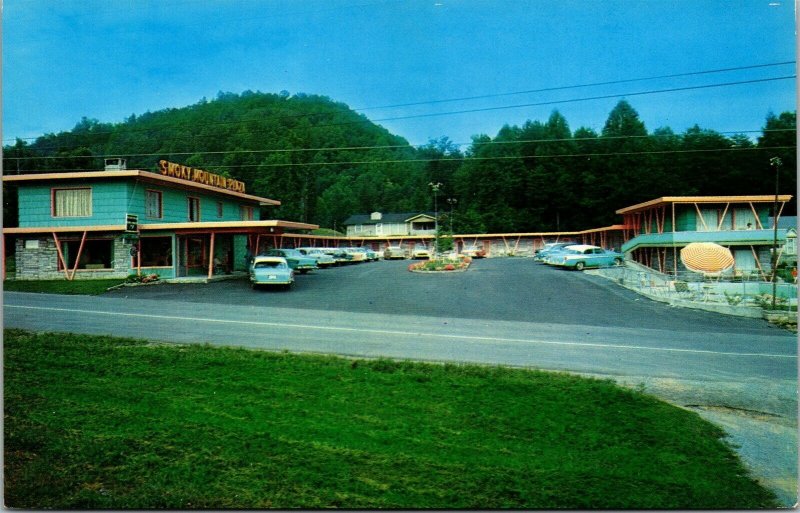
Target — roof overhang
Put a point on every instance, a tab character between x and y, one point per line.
763	198
228	226
145	176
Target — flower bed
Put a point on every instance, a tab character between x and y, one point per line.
461	263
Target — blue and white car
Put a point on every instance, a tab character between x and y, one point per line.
271	271
581	256
296	260
541	255
323	259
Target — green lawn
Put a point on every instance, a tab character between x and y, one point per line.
90	287
98	422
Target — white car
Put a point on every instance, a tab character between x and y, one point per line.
420	251
394	252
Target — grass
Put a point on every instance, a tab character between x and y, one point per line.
86	287
98	422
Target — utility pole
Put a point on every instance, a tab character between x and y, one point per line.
776	163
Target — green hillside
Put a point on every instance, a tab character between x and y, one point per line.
325	161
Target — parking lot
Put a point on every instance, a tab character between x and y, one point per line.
506	289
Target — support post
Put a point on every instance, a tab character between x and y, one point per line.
61	256
78	257
211	257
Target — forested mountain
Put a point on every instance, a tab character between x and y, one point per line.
326	162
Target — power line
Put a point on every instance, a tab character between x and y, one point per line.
588	98
562	88
504	157
357	148
485	109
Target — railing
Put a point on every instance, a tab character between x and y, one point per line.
746	289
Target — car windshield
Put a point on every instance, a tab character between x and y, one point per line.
270	265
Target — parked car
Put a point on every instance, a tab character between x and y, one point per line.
356	257
296	260
340	256
272	271
420	251
322	258
541	255
394	252
474	251
582	256
371	255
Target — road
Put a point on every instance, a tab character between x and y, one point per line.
739	373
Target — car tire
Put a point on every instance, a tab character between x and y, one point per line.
617	262
580	266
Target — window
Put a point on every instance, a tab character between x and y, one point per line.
72	202
156	252
219	209
96	254
247	213
744	219
152	204
709	221
194	209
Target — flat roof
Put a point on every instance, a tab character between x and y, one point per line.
201	226
762	198
146	176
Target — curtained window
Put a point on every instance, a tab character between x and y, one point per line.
152	204
194	209
72	202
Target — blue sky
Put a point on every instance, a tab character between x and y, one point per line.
110	59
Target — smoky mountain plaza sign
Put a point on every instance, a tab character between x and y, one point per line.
199	176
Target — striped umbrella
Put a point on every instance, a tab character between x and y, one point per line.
706	257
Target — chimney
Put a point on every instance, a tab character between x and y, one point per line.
116	164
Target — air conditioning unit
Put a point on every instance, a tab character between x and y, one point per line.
116	164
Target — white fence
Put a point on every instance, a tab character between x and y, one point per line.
742	291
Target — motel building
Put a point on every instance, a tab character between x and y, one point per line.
179	222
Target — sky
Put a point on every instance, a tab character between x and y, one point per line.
66	59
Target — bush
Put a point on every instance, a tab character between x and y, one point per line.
144	278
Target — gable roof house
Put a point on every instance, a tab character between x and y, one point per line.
378	224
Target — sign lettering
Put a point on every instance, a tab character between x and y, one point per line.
199	176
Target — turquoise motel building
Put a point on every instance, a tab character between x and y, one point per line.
177	222
656	230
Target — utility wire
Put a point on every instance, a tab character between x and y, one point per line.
359	148
280	118
504	157
562	88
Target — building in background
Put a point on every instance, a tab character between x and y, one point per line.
378	224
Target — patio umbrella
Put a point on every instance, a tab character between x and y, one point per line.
706	257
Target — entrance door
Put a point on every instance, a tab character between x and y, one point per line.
192	257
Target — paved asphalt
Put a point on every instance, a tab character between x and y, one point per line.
740	373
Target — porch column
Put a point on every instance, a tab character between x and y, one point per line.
78	257
61	256
211	257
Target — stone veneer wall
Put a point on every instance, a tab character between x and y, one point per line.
42	263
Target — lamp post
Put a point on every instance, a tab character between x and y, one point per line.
435	187
452	202
776	163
